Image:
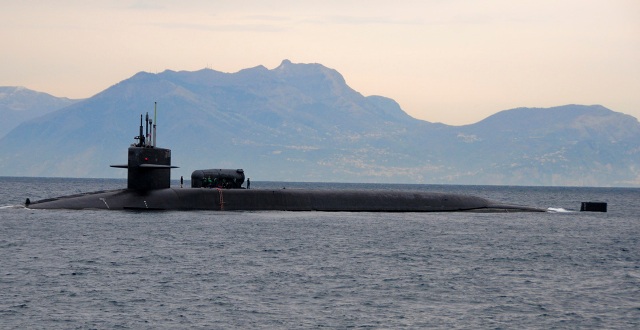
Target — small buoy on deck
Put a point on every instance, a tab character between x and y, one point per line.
593	207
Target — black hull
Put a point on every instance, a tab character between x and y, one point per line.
277	200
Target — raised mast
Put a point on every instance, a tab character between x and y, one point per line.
155	122
146	119
140	137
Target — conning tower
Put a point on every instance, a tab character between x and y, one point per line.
149	167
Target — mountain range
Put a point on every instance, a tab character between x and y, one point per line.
302	122
19	104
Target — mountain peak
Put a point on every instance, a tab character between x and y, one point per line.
288	67
8	90
284	63
311	76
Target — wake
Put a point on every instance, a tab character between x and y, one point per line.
559	210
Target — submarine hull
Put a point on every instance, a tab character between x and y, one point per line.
277	200
148	188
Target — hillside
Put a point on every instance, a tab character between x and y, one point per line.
19	104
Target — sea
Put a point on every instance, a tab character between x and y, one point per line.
92	269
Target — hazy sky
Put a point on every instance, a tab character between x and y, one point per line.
450	61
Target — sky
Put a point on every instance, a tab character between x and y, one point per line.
450	61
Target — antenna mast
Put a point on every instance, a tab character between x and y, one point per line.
141	136
155	105
146	131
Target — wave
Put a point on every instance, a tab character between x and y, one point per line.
558	210
12	207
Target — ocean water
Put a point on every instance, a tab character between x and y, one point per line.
220	270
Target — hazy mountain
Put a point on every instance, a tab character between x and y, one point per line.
568	145
19	104
301	122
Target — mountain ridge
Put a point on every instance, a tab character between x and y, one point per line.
302	122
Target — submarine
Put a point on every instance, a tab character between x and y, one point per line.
148	188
